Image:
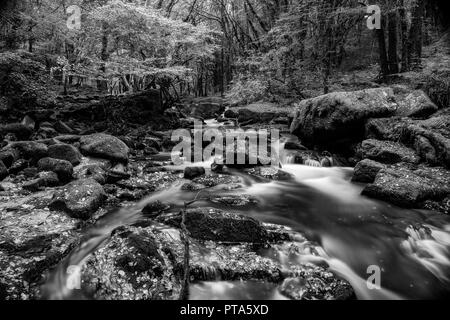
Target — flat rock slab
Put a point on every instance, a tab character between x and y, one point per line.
387	152
217	225
410	188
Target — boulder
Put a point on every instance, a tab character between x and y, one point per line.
3	171
45	179
104	146
387	152
366	171
80	199
62	168
410	188
30	150
339	118
65	152
20	130
216	225
134	264
416	105
193	172
231	114
8	157
430	138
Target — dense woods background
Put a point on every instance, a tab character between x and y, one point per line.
277	50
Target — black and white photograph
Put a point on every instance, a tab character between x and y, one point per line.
224	157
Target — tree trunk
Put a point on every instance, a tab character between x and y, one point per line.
382	52
404	37
416	34
393	41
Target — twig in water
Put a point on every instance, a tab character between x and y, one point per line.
184	293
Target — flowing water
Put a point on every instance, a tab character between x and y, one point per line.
412	247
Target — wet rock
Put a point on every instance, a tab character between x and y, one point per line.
68	138
80	199
127	195
33	241
231	114
261	113
93	171
270	173
153	143
63	128
213	180
216	225
387	152
30	172
149	151
3	171
206	108
410	187
241	200
30	150
8	157
338	119
21	131
230	263
149	182
294	146
366	171
131	266
316	283
18	166
416	105
192	187
117	174
193	172
282	120
62	168
45	179
430	138
104	146
440	206
65	152
387	128
155	209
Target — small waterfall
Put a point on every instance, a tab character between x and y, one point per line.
430	247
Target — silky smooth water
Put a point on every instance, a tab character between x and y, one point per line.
412	247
